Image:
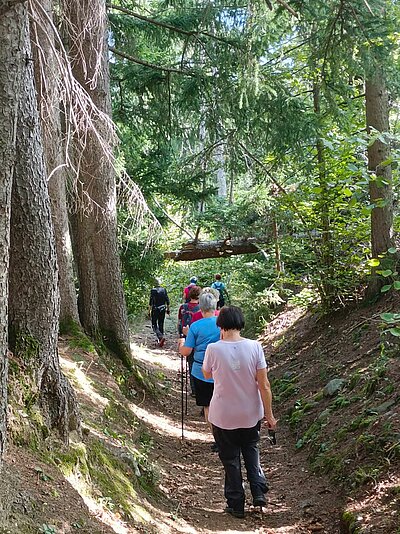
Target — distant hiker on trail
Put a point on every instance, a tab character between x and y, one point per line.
185	316
242	398
200	334
158	306
221	288
185	295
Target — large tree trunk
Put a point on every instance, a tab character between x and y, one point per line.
101	298
34	296
12	60
380	185
47	82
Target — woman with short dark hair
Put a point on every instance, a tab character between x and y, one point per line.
242	398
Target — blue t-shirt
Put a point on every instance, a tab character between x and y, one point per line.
200	334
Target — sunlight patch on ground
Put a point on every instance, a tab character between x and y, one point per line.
156	357
377	501
164	425
105	516
81	380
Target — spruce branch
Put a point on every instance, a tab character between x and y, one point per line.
193	33
150	65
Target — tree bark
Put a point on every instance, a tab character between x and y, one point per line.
326	255
275	233
101	302
33	274
219	158
197	250
380	185
47	78
11	60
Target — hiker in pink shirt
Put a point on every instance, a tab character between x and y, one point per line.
242	398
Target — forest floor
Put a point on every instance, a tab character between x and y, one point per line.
98	488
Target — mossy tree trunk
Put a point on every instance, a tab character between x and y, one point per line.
101	301
12	60
47	83
33	274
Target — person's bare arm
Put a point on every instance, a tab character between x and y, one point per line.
184	351
206	374
266	396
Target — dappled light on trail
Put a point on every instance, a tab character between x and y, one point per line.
164	425
380	502
156	356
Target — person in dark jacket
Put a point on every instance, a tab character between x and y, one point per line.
158	306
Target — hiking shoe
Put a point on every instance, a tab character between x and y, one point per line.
162	342
236	513
260	501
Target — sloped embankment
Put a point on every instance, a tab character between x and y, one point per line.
336	381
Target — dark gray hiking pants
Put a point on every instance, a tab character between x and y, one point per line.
231	444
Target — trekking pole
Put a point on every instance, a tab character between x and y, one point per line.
182	406
186	387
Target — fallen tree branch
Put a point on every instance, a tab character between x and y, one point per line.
198	250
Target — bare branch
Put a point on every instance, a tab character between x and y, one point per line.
150	65
139	214
173	220
82	118
288	8
368	7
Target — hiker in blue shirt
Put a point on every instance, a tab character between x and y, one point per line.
199	335
221	288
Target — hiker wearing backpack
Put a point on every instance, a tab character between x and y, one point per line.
221	288
185	317
185	295
200	334
158	306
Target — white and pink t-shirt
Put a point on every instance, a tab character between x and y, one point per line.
236	401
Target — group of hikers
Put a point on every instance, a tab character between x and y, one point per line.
228	378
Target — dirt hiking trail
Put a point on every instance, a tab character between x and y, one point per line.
192	475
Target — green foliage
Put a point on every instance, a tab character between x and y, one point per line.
246	105
285	387
140	267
